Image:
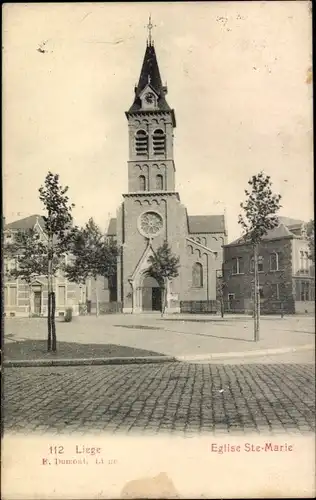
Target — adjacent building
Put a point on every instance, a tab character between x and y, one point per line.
286	274
22	299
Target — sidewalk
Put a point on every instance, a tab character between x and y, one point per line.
114	339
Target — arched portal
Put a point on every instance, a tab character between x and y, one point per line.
151	294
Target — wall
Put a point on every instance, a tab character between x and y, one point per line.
134	243
101	285
299	245
175	232
21	309
210	262
214	241
241	285
150	164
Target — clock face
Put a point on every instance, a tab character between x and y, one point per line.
149	98
150	224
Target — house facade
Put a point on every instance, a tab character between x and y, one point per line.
286	274
22	299
151	211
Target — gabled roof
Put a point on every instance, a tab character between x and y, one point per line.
142	264
288	221
150	74
279	232
26	223
206	224
112	228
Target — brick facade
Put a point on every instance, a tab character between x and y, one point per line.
20	299
280	276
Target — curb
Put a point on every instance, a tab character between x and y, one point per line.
151	359
245	354
88	361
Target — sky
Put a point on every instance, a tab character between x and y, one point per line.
239	80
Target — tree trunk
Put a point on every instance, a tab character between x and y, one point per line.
256	298
49	293
162	301
49	320
49	308
222	307
282	310
54	339
30	300
164	297
96	297
258	308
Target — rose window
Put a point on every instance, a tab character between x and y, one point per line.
150	223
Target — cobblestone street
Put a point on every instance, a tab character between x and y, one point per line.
176	397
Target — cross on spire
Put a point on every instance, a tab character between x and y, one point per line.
150	26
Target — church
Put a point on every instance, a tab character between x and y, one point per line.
151	211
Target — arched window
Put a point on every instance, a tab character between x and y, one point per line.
260	264
274	261
197	275
159	181
141	142
142	183
159	142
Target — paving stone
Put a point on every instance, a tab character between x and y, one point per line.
150	398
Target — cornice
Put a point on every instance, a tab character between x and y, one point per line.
144	194
201	246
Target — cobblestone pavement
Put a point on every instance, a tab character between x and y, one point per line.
175	397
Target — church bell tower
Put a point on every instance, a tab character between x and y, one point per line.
151	212
150	123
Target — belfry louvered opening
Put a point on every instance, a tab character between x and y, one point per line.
159	142
141	142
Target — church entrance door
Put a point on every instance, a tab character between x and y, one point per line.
151	295
156	299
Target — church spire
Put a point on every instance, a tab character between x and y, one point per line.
150	81
150	71
150	75
150	26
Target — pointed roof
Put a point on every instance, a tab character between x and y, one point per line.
283	230
150	75
142	264
26	223
150	71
